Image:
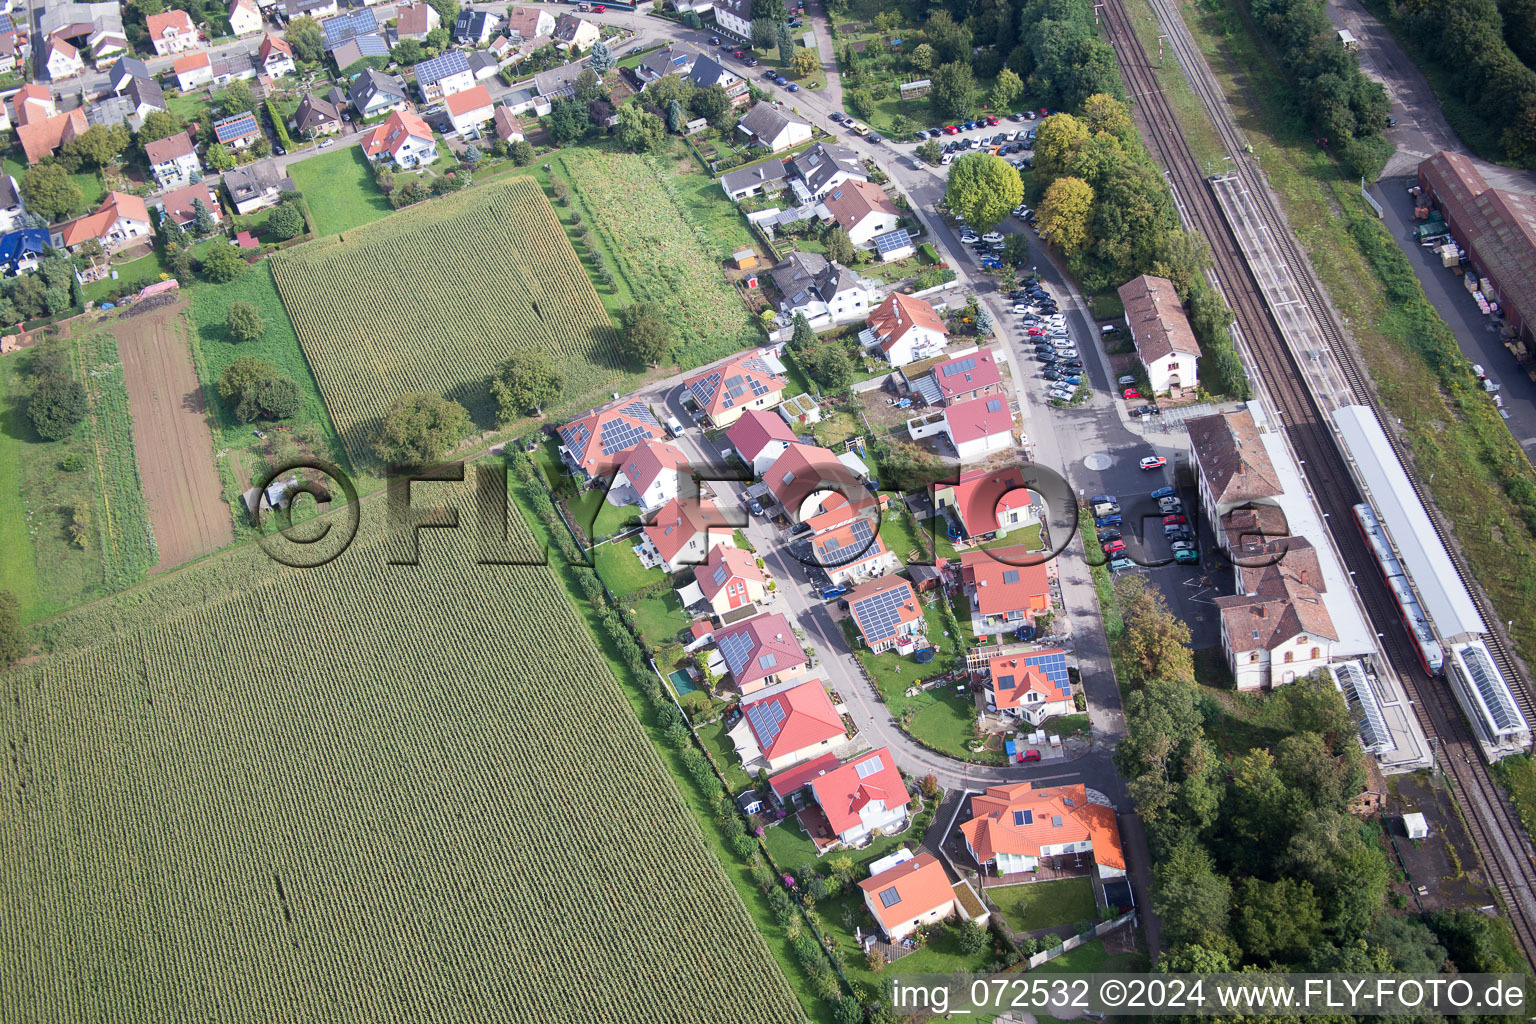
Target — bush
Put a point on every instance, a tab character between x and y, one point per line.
57	405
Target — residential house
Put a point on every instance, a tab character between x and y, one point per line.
862	209
469	109
171	32
1233	467
123	71
121	220
1276	629
502	48
444	76
986	503
238	131
275	56
484	65
768	176
785	728
61	59
375	93
648	475
684	532
1013	828
1007	587
1164	341
575	34
725	391
94	31
315	116
173	160
707	72
525	23
759	439
41	136
11	206
244	17
290	9
474	28
964	378
824	292
233	67
774	129
979	427
181	204
358	21
851	551
730	579
860	799
914	894
192	70
33	101
887	614
141	97
735	16
257	186
804	471
1033	685
10	54
825	166
762	651
404	138
507	128
22	250
594	445
359	48
415	20
905	329
672	59
894	245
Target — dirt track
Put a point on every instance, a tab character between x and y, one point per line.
170	432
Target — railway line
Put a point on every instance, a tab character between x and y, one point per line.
1496	830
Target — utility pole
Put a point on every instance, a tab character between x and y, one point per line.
1096	8
1160	38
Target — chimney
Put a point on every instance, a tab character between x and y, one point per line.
1304	576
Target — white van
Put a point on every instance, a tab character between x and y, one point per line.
674	426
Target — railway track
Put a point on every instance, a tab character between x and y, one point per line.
1495	829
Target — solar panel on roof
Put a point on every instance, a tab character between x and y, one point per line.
1053	665
867	768
721	575
767	719
891	241
880	614
1023	817
962	366
235	127
768	661
736	648
889	897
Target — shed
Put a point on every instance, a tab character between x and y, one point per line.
746	259
1415	825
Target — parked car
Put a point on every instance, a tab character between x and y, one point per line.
1105	536
780	80
950	129
1153	462
756	507
1177	533
752	62
971	126
1183	545
1063	394
1121	564
1071	364
1168	506
1174	520
1030	755
1110	520
1187	557
1130	393
795	87
1114	546
739	54
1164	492
828	593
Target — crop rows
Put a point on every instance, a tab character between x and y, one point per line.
436	298
360	792
125	540
665	257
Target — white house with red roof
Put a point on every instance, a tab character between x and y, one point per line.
173	160
852	551
1013	828
62	58
404	138
1165	341
275	56
181	204
470	108
244	17
787	727
1007	587
905	329
647	475
965	377
987	502
979	427
1032	685
735	386
862	209
862	796
804	472
730	579
192	70
121	220
684	532
913	894
171	32
888	615
762	651
594	445
760	438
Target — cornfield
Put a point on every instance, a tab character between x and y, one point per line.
356	793
436	298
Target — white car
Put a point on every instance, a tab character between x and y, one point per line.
969	237
1062	394
1066	353
992	236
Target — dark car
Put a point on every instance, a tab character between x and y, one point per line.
1176	534
751	62
1072	364
770	75
1051	373
1105	536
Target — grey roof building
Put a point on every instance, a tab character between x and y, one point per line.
769	174
372	84
804	277
820	166
123	71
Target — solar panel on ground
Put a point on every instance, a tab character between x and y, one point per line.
880	614
767	719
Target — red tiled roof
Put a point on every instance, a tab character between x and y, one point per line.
178	204
1012	678
1231	455
843	792
628	422
981	373
40	137
978	418
764	645
738	565
174	22
678	522
854	200
646	461
191	62
1003	581
755	430
898	314
1156	318
921	885
33	101
842	546
979	494
802	471
271	42
117	206
718	388
808	718
163	151
468	101
1020	819
790	780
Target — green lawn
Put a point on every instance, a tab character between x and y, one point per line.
713	736
621	569
339	189
599	517
134	270
18	570
660	618
1045	904
709	208
901	534
836	428
92	188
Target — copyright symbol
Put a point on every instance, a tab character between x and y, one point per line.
315	539
1113	993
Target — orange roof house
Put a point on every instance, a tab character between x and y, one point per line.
34	101
648	475
911	895
120	219
1033	685
727	391
1005	588
597	443
887	613
41	136
804	470
987	502
852	550
684	532
730	579
905	329
862	795
404	138
1013	827
788	727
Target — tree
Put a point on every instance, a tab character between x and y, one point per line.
786	44
235	98
1015	250
409	51
931	152
472	154
805	62
953	92
244	322
223	264
202	218
57	404
270	398
668	88
839	246
1104	113
830	366
640	131
98	146
1156	640
974	940
437	40
848	1010
951	41
1190	898
764	33
307	39
13	638
710	103
419	428
922	57
568	120
986	323
521	152
241	375
677	121
525	384
1056	142
218	157
49	190
286	221
600	58
804	334
1064	214
1278	921
159	124
588	86
644	332
1006	89
448	10
983	189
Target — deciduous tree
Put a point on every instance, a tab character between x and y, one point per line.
983	189
805	62
952	94
57	404
1056	140
222	264
644	332
49	190
1006	89
640	131
1065	212
525	384
244	322
420	428
307	39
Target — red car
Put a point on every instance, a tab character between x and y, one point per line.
599	8
738	54
1035	332
1130	393
991	121
1114	546
950	129
1030	755
1174	520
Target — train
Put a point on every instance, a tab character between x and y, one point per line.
1430	654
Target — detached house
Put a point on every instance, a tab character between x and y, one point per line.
121	220
961	379
1164	340
181	204
375	93
862	209
685	532
760	438
359	48
672	59
244	17
905	329
774	129
762	651
404	138
788	727
979	427
172	160
575	34
470	109
804	471
987	503
735	16
192	70
707	72
315	116
1013	828
851	551
648	475
1033	685
1008	587
888	615
914	894
524	23
257	186
768	176
824	292
415	20
473	28
61	58
171	32
444	76
42	135
239	131
726	391
825	166
275	56
1234	469
730	579
594	445
856	800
